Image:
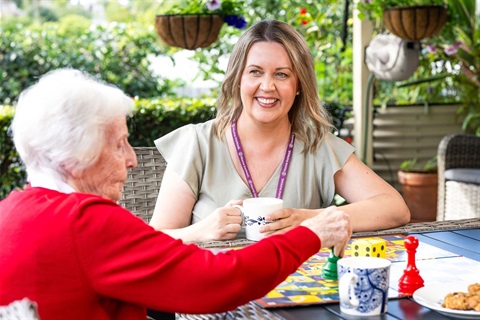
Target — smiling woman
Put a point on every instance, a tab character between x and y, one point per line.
269	119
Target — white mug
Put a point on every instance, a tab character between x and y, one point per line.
363	285
254	211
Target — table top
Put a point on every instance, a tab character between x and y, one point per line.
461	237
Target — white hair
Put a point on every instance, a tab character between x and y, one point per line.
60	122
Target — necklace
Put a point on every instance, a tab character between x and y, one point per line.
243	162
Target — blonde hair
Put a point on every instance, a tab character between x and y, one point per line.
309	119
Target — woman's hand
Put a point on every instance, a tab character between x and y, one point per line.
222	224
286	219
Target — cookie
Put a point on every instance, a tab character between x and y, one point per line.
473	301
456	300
474	288
464	300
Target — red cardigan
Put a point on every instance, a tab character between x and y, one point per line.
80	256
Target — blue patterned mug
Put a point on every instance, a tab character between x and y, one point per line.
363	285
254	211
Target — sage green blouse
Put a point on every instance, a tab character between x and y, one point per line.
204	163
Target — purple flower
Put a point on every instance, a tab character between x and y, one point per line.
431	49
230	20
453	48
235	21
241	23
213	5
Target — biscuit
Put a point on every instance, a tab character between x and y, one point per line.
473	301
464	300
456	300
474	288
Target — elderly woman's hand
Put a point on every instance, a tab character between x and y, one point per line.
222	224
286	219
333	227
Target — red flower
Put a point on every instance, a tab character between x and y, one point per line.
304	22
303	11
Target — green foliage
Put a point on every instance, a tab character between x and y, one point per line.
411	165
228	7
117	53
373	9
150	120
449	67
12	171
116	12
42	11
459	43
154	118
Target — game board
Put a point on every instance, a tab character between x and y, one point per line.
307	286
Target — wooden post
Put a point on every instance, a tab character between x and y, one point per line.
362	34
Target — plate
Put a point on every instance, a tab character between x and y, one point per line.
432	297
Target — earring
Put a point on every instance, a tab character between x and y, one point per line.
298	92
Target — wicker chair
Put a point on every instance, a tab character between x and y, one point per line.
458	177
143	183
140	194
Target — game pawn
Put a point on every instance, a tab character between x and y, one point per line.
411	279
329	270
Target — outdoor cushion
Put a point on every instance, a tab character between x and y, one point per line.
463	175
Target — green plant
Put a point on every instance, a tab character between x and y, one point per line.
459	45
119	53
231	10
412	165
12	170
373	9
455	55
450	66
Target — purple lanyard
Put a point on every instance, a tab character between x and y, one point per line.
243	162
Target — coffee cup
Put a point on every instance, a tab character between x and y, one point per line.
254	211
363	285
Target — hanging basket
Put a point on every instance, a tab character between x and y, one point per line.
416	22
188	31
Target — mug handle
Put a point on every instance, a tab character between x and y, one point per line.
346	285
239	207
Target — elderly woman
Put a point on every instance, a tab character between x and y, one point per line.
68	246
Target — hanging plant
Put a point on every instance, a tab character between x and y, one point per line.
197	24
415	23
411	20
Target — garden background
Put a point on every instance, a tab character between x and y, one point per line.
120	46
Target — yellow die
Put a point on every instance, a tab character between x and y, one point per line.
369	248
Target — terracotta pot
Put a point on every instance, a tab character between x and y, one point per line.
415	23
188	31
420	193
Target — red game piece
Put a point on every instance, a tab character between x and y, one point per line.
411	279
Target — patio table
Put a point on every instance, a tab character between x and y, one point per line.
461	237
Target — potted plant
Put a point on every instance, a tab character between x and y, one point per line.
196	24
411	20
419	184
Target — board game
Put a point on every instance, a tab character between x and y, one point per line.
307	286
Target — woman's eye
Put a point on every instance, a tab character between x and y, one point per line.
254	72
121	145
281	75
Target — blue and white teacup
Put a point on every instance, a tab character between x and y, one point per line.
254	211
363	285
